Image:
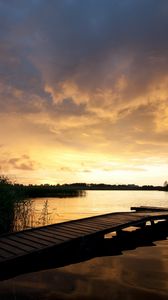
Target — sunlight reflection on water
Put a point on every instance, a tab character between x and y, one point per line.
97	202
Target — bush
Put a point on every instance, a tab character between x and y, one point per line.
9	196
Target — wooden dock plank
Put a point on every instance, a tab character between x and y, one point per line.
5	254
34	239
70	233
103	223
51	234
57	237
96	224
78	228
86	225
91	222
17	244
67	235
42	238
24	241
82	226
12	249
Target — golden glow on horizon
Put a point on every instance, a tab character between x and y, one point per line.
84	101
72	150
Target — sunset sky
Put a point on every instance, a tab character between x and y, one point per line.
84	91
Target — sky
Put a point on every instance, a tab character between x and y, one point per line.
84	91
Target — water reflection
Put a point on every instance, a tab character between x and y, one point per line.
138	274
96	203
76	252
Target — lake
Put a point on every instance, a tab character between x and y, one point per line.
139	273
94	203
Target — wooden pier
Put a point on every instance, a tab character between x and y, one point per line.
16	248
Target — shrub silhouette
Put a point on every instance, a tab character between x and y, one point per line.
9	196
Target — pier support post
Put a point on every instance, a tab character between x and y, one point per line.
152	222
143	225
119	232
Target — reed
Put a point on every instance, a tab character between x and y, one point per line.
24	215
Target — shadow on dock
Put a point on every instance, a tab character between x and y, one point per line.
76	252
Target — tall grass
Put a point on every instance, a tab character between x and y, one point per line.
25	215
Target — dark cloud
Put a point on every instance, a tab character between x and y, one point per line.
90	41
66	169
69	107
20	163
87	41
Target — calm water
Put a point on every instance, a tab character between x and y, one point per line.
137	274
94	203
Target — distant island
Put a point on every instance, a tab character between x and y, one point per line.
77	189
67	190
103	186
